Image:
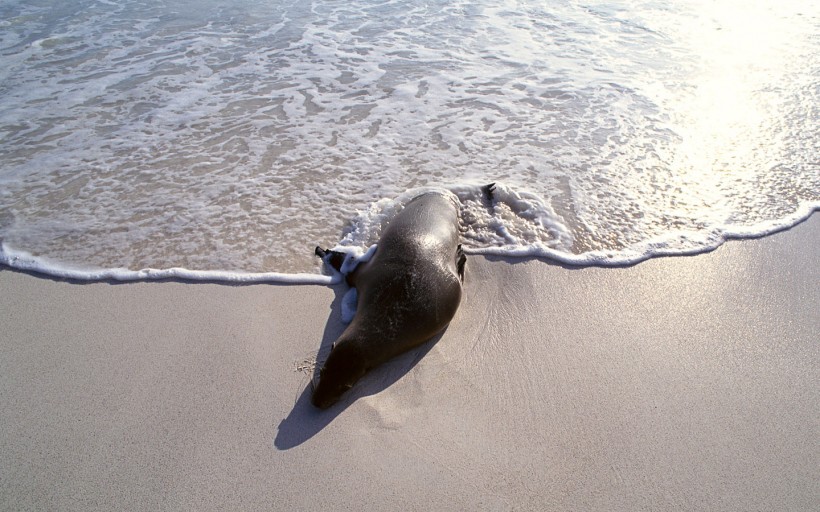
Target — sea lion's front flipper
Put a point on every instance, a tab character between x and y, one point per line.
332	258
461	259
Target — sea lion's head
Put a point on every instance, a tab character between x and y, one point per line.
340	372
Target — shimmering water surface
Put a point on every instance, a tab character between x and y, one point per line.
236	136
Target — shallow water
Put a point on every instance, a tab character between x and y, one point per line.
233	139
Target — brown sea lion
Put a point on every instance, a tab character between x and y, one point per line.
407	293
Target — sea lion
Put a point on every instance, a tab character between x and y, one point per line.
407	293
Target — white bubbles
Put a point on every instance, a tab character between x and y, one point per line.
236	137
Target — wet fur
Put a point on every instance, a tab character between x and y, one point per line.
407	293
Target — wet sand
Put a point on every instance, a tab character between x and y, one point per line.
686	383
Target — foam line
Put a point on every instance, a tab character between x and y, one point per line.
23	261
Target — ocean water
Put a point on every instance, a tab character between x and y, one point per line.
224	140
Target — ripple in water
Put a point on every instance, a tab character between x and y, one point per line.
234	138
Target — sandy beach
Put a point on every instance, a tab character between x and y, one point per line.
685	383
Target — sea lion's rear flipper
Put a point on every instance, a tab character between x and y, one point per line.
332	258
488	191
461	259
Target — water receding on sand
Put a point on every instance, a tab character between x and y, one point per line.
230	139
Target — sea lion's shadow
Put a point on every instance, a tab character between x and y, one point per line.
305	420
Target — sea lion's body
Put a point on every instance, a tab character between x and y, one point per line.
407	293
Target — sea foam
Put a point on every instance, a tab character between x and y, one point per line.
510	224
233	138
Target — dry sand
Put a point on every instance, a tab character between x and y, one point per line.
687	383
